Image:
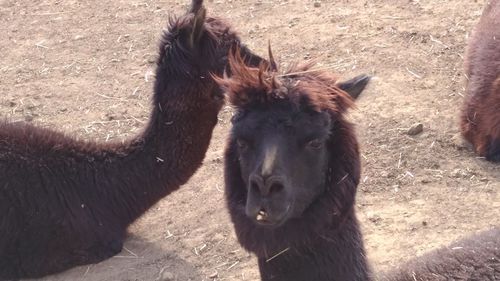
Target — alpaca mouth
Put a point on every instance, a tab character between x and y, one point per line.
263	218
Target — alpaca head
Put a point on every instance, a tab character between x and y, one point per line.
196	45
282	136
192	49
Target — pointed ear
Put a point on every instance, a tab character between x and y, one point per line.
191	30
197	29
196	5
355	86
272	63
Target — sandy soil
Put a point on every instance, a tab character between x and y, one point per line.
84	68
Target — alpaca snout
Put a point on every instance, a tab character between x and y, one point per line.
267	200
266	186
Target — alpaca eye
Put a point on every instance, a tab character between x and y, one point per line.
315	144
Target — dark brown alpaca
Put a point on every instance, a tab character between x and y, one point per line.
292	169
480	121
65	202
474	258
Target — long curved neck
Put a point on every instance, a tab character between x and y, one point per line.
164	157
336	255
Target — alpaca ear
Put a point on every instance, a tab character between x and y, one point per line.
196	5
355	86
272	63
198	20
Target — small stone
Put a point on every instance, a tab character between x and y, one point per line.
459	173
78	37
167	276
424	181
213	275
317	4
415	129
110	116
28	118
375	218
459	142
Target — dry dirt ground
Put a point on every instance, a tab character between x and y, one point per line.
84	67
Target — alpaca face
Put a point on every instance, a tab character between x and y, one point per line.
282	141
283	160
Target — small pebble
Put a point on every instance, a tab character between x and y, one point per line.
375	218
459	173
167	276
317	4
459	142
415	129
28	118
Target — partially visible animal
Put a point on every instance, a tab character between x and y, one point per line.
66	202
480	119
291	172
473	258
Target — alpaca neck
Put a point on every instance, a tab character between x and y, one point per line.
335	255
165	156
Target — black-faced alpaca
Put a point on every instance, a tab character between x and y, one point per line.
480	120
65	202
292	169
474	258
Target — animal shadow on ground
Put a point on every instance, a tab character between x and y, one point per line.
139	260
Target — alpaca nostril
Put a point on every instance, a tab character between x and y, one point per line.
254	187
276	187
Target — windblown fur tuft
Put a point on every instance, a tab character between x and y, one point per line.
258	86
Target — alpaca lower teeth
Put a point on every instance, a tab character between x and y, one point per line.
261	215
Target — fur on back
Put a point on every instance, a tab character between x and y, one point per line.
480	120
473	258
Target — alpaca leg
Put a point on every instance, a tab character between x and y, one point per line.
493	153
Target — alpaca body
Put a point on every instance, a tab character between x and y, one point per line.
65	202
69	203
480	119
473	258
